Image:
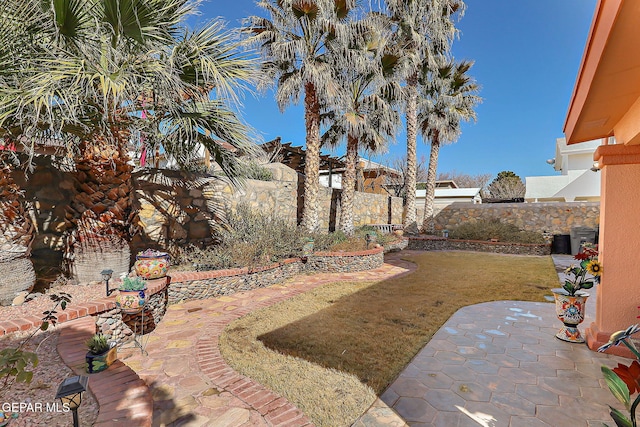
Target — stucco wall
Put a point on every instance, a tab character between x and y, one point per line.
554	218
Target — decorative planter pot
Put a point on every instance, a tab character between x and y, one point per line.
307	248
100	362
570	311
152	264
130	302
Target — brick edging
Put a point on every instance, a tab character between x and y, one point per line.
76	311
277	410
112	387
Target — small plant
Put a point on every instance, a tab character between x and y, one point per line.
588	265
98	344
14	362
135	283
624	380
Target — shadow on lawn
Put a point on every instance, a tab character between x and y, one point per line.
374	332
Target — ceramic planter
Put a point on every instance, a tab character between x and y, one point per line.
130	302
307	248
100	362
151	264
570	311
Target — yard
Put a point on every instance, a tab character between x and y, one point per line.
329	351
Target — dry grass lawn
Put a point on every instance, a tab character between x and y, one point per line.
328	351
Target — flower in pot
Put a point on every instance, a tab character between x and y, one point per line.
624	381
101	354
571	298
131	294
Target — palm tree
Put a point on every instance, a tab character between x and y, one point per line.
363	112
422	29
95	72
450	96
295	43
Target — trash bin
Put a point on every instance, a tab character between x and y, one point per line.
561	244
580	235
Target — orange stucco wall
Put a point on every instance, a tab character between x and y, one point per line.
618	294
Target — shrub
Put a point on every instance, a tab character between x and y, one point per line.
254	170
250	239
493	228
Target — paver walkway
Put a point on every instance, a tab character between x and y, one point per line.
498	364
190	382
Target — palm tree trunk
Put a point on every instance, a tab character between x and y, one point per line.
16	234
428	223
410	225
312	159
348	186
101	211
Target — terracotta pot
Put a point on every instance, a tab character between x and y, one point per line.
130	302
100	362
570	311
151	264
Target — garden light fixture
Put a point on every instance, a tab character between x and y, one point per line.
368	239
106	275
70	394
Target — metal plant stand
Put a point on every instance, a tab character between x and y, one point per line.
139	340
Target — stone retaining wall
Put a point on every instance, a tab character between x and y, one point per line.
183	286
442	244
120	327
554	218
186	286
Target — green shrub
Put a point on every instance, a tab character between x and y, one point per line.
251	239
253	170
325	241
493	228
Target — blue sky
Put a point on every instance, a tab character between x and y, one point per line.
527	54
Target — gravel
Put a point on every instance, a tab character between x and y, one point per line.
42	390
50	370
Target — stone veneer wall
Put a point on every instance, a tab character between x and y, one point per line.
442	244
176	208
554	218
368	208
120	327
183	286
186	286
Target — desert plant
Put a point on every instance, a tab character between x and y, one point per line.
97	344
493	228
134	283
254	170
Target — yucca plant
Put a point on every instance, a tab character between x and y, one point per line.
97	344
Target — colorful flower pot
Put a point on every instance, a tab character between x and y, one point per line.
100	362
152	264
570	310
130	302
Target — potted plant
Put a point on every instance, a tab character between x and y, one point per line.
131	294
623	380
152	264
571	298
101	354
